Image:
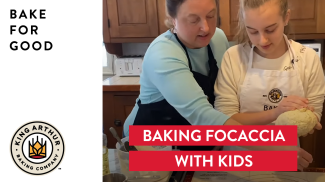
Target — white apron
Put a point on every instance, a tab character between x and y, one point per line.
264	89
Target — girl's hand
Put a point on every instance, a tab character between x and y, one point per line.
290	103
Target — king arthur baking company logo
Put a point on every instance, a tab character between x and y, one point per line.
37	148
275	95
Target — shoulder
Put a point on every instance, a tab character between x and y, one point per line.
219	45
163	47
167	41
238	53
302	49
219	37
219	41
163	53
240	49
306	54
165	44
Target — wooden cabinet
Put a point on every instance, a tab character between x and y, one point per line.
133	20
162	16
123	105
117	105
143	20
307	18
139	21
228	15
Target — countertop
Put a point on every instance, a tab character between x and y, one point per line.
114	165
117	83
117	80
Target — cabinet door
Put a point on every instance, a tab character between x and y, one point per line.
116	107
162	16
306	16
123	106
132	18
228	15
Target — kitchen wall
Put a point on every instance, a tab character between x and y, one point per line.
129	49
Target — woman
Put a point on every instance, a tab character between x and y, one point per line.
180	68
267	74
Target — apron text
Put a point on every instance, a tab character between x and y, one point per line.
266	107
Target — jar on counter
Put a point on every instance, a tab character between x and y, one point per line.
105	156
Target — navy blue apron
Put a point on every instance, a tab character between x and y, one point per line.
162	113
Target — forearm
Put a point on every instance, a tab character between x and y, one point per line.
257	118
231	121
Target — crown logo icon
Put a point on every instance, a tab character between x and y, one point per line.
37	150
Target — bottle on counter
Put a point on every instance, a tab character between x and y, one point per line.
105	156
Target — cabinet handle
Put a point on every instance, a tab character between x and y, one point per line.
118	123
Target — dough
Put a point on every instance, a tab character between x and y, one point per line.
303	118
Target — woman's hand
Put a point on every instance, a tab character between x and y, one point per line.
290	103
303	157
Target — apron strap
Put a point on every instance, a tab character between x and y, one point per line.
210	53
188	58
250	60
139	102
292	55
212	61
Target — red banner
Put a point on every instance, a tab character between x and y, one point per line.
213	161
260	135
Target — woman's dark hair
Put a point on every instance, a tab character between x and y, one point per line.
241	35
172	7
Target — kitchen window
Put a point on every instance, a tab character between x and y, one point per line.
107	61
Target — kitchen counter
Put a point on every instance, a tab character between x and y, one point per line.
114	165
117	83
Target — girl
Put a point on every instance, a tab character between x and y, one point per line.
267	74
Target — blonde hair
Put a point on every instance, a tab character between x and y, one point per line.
242	36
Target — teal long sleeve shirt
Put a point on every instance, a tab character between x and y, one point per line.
166	75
